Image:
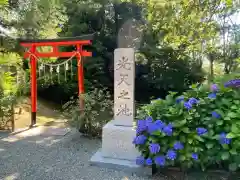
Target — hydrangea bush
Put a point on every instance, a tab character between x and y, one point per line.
200	129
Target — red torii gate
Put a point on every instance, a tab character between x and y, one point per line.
33	54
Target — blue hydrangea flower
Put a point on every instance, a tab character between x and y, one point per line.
201	131
159	124
212	95
216	115
140	160
149	161
154	148
223	139
195	156
171	154
193	101
178	146
141	139
148	120
187	105
160	160
214	88
179	99
233	83
168	130
141	126
152	127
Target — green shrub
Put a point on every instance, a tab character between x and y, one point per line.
97	112
8	90
200	129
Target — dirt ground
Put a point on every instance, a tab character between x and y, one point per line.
47	114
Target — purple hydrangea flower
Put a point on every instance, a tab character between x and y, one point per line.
212	95
187	105
178	146
141	126
201	131
195	156
149	161
214	88
141	139
223	139
154	148
216	115
171	154
160	160
180	99
193	101
140	160
233	83
168	129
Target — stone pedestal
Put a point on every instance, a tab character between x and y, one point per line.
117	150
117	142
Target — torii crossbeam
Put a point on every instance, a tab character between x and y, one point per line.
32	53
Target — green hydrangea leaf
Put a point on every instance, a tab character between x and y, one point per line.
186	130
234	107
225	156
219	122
209	145
231	135
182	158
233	151
199	138
233	166
232	115
227	118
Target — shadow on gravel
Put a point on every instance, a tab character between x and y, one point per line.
30	156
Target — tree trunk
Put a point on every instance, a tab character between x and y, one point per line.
211	73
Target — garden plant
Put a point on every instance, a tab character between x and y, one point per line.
198	130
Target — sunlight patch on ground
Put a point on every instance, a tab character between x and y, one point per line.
12	176
31	132
39	131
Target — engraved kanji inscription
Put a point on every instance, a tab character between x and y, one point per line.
124	64
124	110
124	95
124	78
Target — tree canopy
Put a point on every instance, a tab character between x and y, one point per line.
177	37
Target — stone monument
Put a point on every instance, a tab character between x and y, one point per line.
117	149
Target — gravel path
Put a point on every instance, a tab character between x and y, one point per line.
38	157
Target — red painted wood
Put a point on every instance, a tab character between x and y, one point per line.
33	62
80	70
80	77
67	43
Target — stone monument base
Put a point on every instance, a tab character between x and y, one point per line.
118	151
